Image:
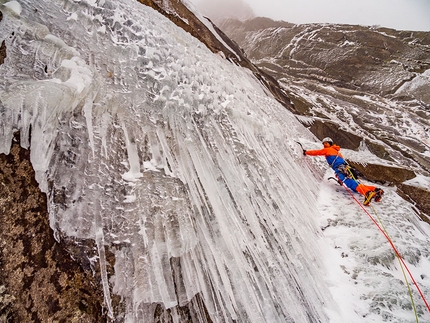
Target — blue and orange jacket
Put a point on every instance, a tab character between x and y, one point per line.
332	155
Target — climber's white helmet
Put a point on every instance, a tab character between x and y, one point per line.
329	140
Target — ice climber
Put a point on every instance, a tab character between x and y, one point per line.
344	172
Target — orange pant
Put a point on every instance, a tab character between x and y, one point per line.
363	189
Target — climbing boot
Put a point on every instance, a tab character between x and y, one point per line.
368	198
378	196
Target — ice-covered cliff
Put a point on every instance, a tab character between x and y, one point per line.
173	160
166	153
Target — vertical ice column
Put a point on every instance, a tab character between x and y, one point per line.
133	157
89	119
99	237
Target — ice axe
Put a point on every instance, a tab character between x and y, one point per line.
304	151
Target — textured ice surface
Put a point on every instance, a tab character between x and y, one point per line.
145	140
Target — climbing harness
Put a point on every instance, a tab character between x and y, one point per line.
349	171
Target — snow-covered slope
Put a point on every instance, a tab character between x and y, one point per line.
179	164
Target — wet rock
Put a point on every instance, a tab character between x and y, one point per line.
2	46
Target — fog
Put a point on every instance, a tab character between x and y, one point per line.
397	14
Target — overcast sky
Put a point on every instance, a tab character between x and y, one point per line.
397	14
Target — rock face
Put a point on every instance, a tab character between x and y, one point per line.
45	281
355	84
419	196
40	282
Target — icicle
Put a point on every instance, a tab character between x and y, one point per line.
99	236
133	158
88	117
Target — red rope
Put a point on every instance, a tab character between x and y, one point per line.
392	245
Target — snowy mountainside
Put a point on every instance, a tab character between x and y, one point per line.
371	59
365	86
186	174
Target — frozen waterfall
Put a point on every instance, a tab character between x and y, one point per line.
145	139
169	155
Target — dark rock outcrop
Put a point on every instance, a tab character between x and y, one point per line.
383	174
420	197
345	139
39	281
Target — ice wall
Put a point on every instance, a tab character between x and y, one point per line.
167	154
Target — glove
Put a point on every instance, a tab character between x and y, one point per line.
304	152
